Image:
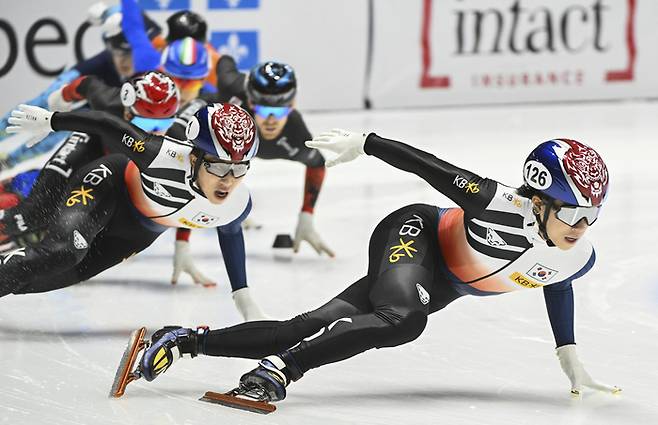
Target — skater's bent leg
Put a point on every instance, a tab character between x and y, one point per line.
259	339
399	316
88	207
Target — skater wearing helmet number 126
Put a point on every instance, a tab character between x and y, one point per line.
421	258
117	205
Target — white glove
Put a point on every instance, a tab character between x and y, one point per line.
32	120
346	144
95	13
306	232
576	372
183	263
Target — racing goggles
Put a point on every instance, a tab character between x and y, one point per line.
278	112
571	214
152	125
222	168
185	84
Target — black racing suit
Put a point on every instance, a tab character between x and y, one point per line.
421	258
36	212
117	205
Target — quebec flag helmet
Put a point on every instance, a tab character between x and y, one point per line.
569	171
224	130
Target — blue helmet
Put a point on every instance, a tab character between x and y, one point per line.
223	130
186	58
568	171
272	84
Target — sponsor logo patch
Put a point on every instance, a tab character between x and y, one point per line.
79	241
494	238
521	280
423	294
462	183
160	191
81	195
188	223
403	250
412	227
130	142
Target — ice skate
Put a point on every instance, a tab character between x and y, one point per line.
125	373
165	347
257	390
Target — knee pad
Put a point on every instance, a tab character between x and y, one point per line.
402	328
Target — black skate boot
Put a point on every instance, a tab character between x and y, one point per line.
268	381
263	385
168	345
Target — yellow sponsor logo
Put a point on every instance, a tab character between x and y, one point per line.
403	250
78	196
462	183
472	188
135	145
188	223
138	146
519	279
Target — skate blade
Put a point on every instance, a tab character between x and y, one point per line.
125	374
235	402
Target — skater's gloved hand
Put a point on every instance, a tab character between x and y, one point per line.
183	263
306	232
32	120
346	144
576	372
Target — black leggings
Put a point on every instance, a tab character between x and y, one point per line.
94	227
388	307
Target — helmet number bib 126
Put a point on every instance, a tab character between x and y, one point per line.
537	175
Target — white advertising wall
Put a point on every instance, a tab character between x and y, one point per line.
445	52
37	37
424	52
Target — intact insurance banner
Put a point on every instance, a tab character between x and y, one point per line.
39	39
446	52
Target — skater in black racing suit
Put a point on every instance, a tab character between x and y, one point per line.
422	258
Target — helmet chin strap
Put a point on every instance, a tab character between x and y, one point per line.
542	223
195	173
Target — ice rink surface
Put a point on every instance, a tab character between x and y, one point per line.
480	361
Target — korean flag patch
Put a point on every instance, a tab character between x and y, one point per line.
541	273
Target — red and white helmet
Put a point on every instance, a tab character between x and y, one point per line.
151	95
224	130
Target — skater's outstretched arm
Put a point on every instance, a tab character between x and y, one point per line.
145	56
230	81
468	190
138	145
